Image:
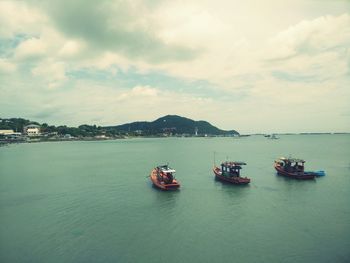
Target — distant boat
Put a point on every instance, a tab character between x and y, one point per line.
163	177
293	168
230	172
273	137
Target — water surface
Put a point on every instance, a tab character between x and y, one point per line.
93	202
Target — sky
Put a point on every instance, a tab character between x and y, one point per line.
254	66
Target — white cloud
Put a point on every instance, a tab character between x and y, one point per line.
189	24
71	48
312	52
315	36
106	61
31	48
51	73
17	17
138	92
7	66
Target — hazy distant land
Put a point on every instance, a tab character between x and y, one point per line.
170	125
167	126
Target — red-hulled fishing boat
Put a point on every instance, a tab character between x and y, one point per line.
163	177
293	168
230	172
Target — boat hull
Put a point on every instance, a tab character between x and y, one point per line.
299	176
232	180
161	185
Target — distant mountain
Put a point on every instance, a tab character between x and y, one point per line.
172	124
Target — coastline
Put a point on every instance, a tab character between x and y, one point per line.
5	142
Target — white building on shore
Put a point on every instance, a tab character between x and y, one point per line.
9	134
6	132
31	130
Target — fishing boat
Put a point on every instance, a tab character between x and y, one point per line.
293	168
163	177
273	137
230	172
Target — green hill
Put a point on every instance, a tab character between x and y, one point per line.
172	124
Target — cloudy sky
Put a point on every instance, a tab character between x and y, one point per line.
253	66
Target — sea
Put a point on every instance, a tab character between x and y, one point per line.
92	201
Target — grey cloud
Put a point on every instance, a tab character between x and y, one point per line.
115	26
47	113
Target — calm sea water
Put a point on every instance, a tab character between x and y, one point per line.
93	202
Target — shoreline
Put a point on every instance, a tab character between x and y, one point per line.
38	140
7	142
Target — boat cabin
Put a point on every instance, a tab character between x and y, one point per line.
231	168
165	173
291	164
